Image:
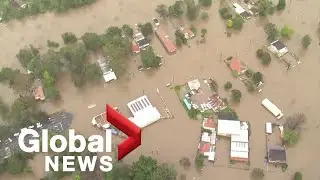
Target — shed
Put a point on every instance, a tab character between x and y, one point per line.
277	154
268	127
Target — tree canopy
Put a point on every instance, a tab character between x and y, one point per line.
281	5
235	95
306	41
205	3
92	41
162	10
192	9
286	31
257	77
237	22
176	10
265	8
272	32
149	59
69	38
147	29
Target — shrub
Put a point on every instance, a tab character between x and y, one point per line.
257	173
228	86
229	23
204	16
205	3
200	161
52	44
266	58
237	22
257	77
281	5
185	162
225	13
236	95
259	53
249	73
179	42
286	31
291	137
306	41
69	38
298	176
193	29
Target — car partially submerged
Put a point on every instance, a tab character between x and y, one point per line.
156	22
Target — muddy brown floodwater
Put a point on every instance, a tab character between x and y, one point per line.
293	91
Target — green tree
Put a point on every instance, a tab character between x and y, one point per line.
227	86
127	30
92	72
114	31
199	161
52	44
257	77
225	13
185	162
149	59
179	42
92	41
204	16
266	58
192	10
4	109
180	35
272	32
176	10
119	172
52	62
35	66
23	111
204	32
144	168
257	174
229	23
286	31
228	113
259	53
69	38
281	5
306	41
164	172
298	176
265	8
205	3
48	79
26	54
235	95
17	162
52	93
291	137
147	29
162	10
237	22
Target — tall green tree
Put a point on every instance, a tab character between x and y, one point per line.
147	29
281	5
272	32
26	54
144	168
286	31
205	3
306	41
48	79
69	38
149	59
162	10
236	95
176	10
265	8
192	9
92	41
127	30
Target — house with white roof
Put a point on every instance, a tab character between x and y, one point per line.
278	48
144	113
239	136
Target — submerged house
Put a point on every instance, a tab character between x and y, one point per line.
278	48
277	154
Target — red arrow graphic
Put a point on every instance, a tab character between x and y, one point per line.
126	126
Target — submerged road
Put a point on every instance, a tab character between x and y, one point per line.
57	122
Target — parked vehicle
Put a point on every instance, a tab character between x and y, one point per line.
272	108
156	22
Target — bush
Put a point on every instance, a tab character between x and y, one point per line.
193	29
179	42
236	95
69	38
203	32
229	23
192	10
205	3
259	53
257	173
52	44
225	13
228	86
291	137
281	5
204	16
249	73
286	31
266	58
257	77
306	41
250	87
237	22
185	162
200	161
147	29
298	176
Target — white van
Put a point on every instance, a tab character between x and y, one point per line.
272	108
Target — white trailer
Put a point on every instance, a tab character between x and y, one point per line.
272	108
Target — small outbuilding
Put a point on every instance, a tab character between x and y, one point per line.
278	48
277	154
